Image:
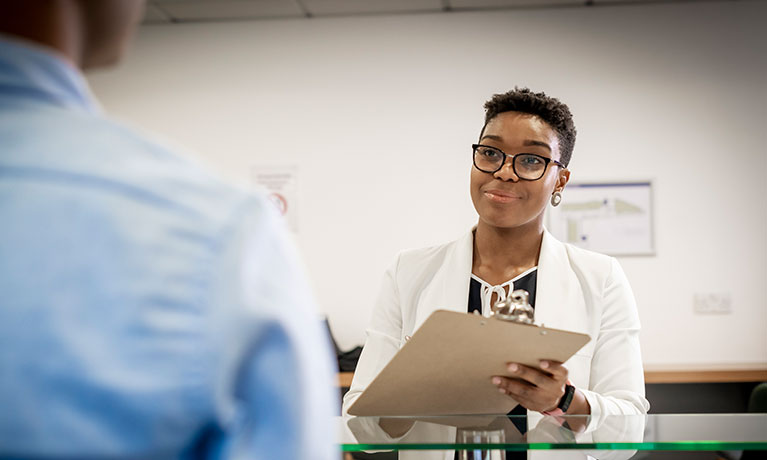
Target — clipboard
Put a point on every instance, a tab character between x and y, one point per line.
446	367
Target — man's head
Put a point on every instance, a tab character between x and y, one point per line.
549	109
91	33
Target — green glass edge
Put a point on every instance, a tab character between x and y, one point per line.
680	445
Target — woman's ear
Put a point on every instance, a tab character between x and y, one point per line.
562	180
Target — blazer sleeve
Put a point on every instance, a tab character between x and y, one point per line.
617	377
383	336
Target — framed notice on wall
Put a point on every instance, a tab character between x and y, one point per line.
281	185
611	218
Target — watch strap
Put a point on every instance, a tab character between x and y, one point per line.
564	402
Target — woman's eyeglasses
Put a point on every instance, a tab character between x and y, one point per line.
527	166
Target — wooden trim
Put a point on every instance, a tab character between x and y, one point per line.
345	379
706	374
671	374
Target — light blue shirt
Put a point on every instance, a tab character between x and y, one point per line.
146	309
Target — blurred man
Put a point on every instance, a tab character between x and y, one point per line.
147	310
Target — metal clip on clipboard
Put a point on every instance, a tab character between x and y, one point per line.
516	308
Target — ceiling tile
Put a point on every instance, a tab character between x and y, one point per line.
603	2
153	15
478	4
343	7
230	9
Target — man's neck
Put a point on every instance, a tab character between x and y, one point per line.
49	26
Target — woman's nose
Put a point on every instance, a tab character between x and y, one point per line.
506	173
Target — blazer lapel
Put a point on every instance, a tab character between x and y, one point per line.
449	288
559	296
558	293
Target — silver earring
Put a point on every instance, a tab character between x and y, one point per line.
556	198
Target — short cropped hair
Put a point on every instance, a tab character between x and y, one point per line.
548	109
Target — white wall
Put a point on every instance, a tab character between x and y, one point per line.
379	113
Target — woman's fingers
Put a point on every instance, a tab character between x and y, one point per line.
528	395
554	368
552	373
528	374
515	387
536	389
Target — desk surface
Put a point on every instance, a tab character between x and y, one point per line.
684	432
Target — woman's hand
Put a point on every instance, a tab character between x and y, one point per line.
535	389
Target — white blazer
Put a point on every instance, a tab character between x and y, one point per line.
576	290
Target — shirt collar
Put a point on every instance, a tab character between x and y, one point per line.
29	71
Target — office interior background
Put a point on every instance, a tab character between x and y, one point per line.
374	105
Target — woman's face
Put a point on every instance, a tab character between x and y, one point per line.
503	200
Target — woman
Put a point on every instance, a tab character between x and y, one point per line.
519	168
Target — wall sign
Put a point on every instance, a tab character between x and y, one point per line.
281	186
611	218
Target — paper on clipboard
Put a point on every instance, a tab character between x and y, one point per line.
446	367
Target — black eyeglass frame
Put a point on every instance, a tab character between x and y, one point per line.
546	160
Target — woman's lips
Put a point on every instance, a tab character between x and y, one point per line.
499	196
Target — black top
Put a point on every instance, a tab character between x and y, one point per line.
527	283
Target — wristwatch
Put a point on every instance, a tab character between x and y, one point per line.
564	403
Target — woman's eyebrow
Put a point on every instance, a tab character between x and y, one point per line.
492	137
495	137
538	143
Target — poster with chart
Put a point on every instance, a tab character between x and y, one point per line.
281	185
611	218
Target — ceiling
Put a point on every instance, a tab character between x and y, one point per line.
180	11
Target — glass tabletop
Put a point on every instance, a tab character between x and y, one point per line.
688	432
